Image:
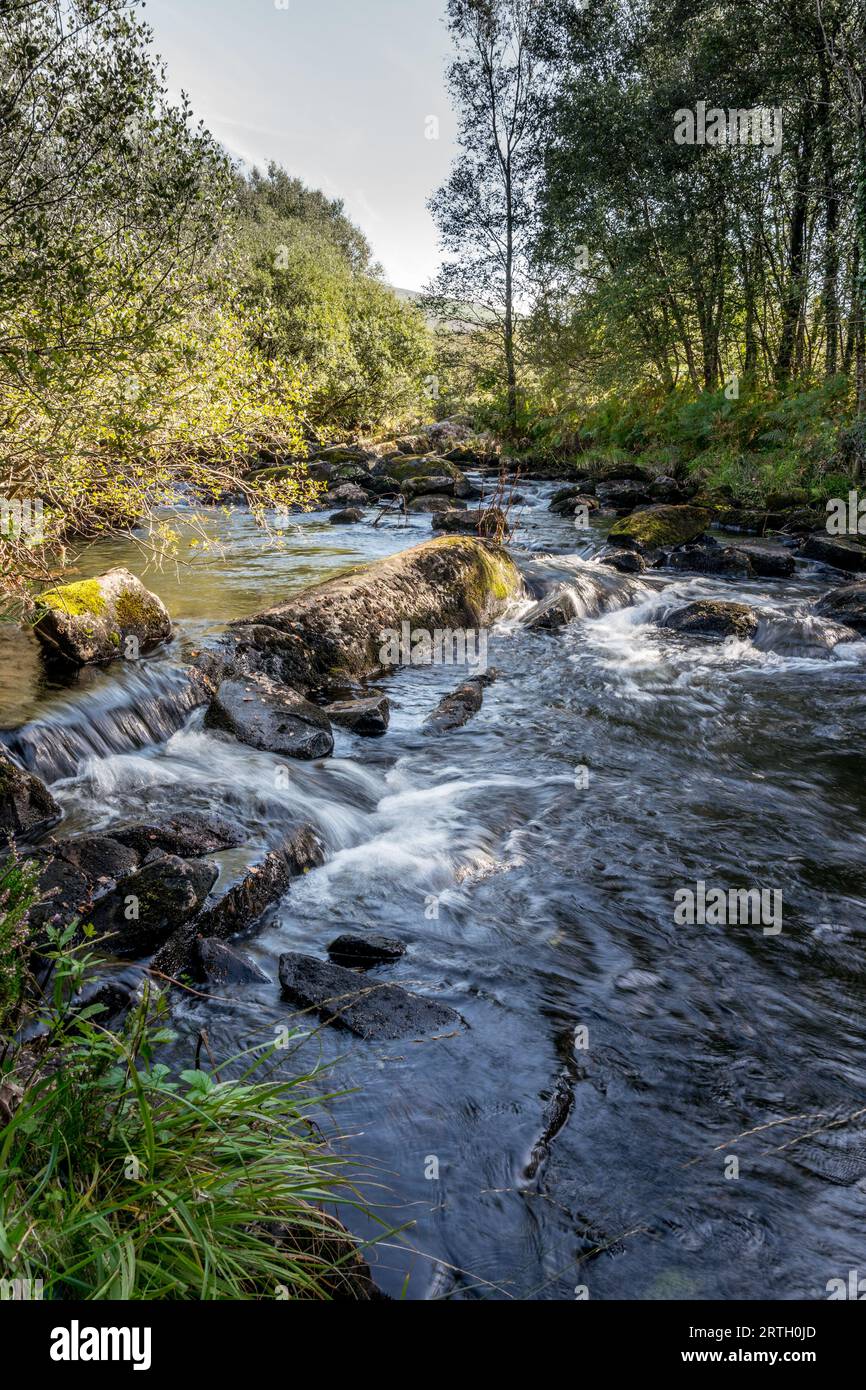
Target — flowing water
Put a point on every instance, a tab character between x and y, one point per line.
530	862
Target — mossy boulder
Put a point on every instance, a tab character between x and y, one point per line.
660	527
26	805
99	620
415	466
341	627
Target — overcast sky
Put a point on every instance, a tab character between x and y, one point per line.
338	91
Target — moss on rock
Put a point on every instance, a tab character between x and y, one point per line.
655	528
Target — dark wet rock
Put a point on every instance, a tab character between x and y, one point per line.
624	473
488	522
842	552
368	715
709	558
567	506
584	487
622	496
365	951
714	619
381	487
801	523
94	619
224	965
770	560
64	894
349	1000
660	527
746	522
27	807
350	516
341	628
244	903
552	612
556	1114
456	709
271	717
846	605
190	834
102	859
626	561
665	489
163	894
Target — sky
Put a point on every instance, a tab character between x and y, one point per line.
340	92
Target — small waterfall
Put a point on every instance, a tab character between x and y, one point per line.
139	706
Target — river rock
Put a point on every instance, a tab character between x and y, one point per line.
709	558
347	495
93	620
624	473
368	715
165	892
456	709
567	506
842	552
489	522
846	605
434	503
660	527
189	834
622	496
349	1000
223	965
714	619
365	951
770	559
351	626
271	717
626	561
664	489
244	903
433	484
350	516
27	807
426	467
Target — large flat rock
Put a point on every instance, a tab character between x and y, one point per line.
455	583
351	1001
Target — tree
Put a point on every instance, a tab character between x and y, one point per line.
486	210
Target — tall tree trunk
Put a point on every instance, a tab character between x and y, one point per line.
795	288
510	370
831	213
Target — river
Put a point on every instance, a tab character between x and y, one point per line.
530	862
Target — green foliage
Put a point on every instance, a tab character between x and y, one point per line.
365	353
17	896
147	339
121	1181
